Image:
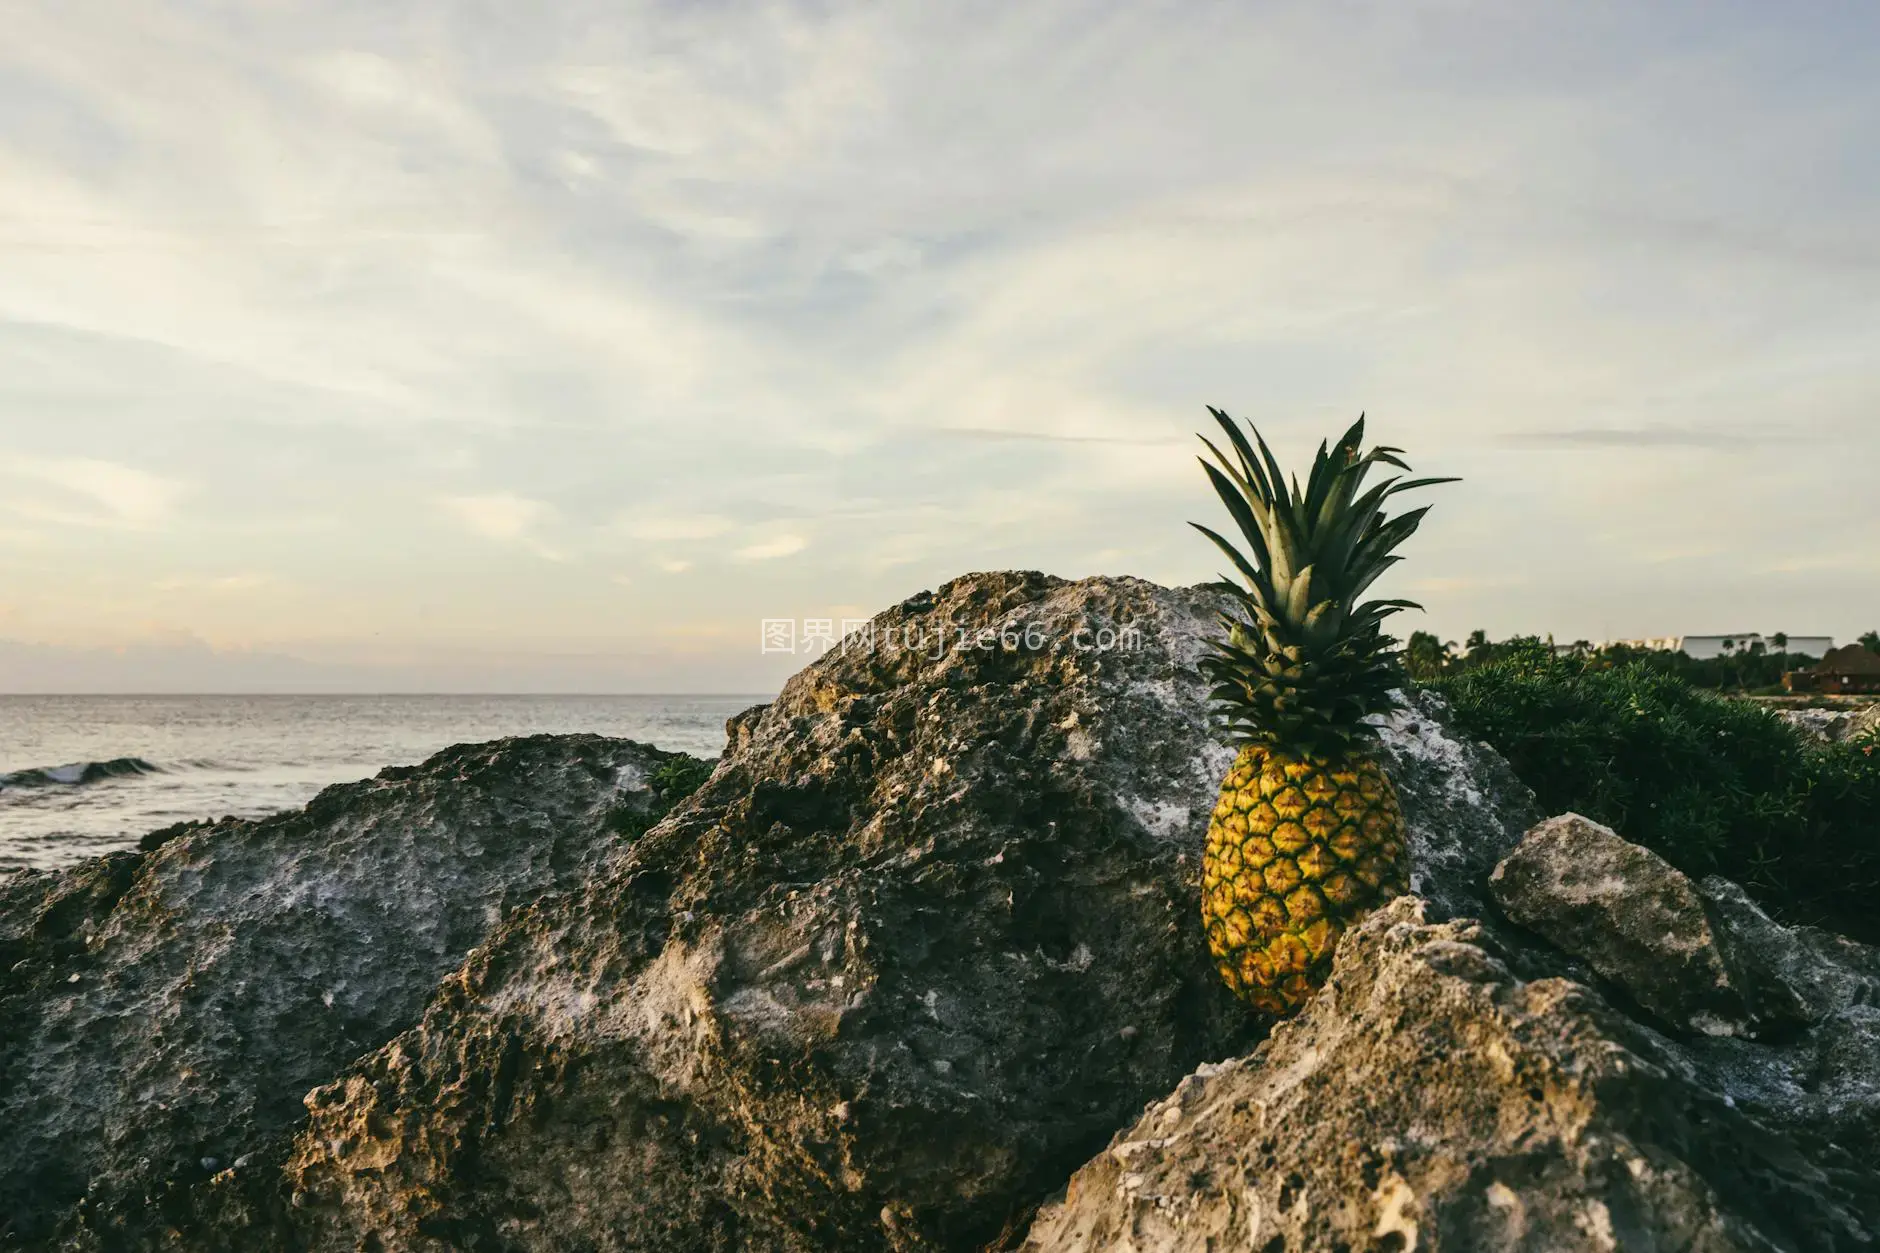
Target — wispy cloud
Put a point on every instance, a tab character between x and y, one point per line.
506	517
674	526
497	515
771	549
856	298
1619	437
991	436
82	491
215	583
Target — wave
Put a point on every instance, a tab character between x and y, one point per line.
78	773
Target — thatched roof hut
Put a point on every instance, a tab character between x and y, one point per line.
1849	668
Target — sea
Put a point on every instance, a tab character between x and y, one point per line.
83	775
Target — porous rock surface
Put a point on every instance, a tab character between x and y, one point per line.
1820	1082
925	939
163	1011
1463	804
1431	1098
1834	725
1643	924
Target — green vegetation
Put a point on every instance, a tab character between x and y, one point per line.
676	779
1715	786
1757	670
680	777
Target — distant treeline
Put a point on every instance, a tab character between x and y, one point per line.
1758	668
1714	785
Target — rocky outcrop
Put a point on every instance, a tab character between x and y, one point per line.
1821	1083
926	938
1432	1099
1453	1089
1641	923
922	942
1838	725
163	1012
1463	804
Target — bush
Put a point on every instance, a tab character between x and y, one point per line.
1715	786
675	779
1755	670
680	777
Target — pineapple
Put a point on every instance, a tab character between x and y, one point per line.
1307	836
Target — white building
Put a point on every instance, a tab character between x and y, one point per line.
1656	643
1705	647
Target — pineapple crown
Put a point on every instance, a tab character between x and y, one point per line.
1305	662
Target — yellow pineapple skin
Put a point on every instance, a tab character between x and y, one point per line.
1299	849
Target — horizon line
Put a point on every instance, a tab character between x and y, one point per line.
349	695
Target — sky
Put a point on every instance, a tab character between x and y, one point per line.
552	347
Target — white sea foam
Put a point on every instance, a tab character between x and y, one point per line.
80	775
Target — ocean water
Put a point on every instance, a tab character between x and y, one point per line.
82	775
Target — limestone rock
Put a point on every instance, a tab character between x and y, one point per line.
163	1012
1821	1082
1834	725
1431	1099
1462	802
927	937
1643	924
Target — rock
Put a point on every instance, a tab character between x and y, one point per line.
1641	923
1825	1082
870	988
1462	802
927	937
1431	1099
163	1012
1837	725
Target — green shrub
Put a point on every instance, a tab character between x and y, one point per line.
680	777
1715	786
675	779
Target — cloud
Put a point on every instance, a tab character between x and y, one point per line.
496	515
402	94
214	583
87	492
507	518
1619	437
1454	583
956	279
770	549
989	435
674	526
1856	562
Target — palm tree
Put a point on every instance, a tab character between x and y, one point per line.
1424	656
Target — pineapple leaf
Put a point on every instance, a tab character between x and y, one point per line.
1307	663
1246	568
